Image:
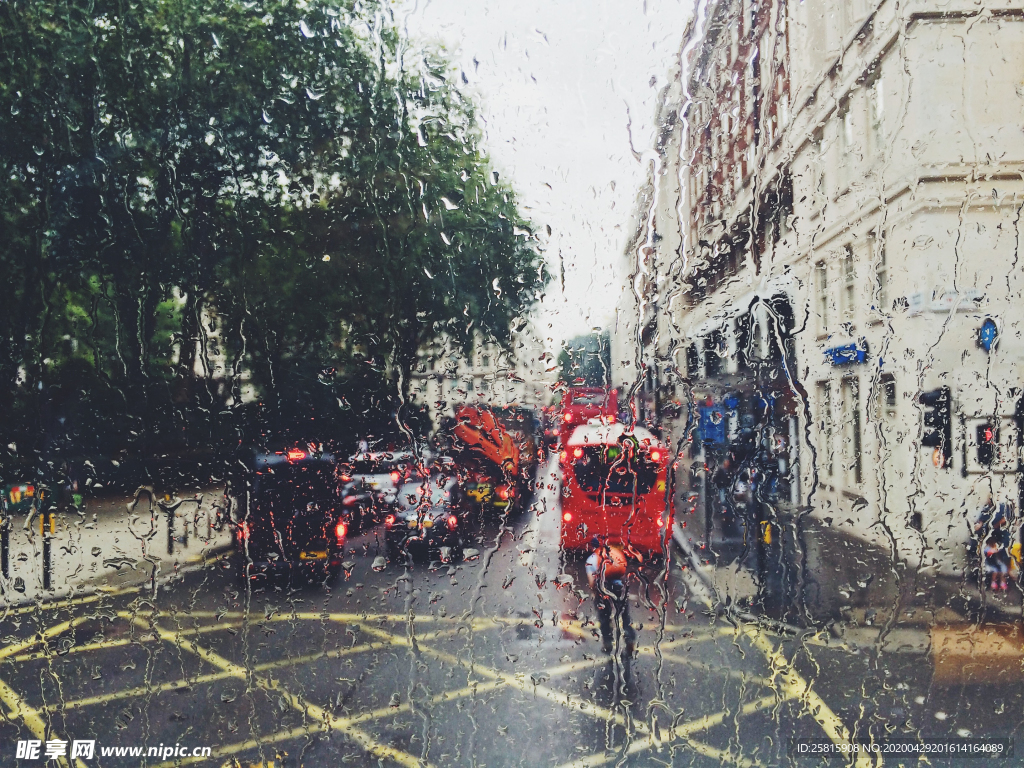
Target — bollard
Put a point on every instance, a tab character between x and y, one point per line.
170	530
46	529
5	543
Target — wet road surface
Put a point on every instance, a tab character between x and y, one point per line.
493	661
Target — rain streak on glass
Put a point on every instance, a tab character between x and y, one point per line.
460	384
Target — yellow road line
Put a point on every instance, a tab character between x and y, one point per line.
100	646
67	603
725	671
41	637
304	731
333	722
681	733
30	717
793	686
518	681
175	685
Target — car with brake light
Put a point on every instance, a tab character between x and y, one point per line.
288	513
382	475
427	520
613	487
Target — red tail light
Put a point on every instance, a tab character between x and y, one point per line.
503	492
567	516
395	476
577	453
348	501
563	456
567	417
295	454
346	478
655	455
389	521
340	530
453	522
660	522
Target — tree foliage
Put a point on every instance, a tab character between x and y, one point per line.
291	176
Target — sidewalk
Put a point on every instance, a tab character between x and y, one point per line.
814	575
112	543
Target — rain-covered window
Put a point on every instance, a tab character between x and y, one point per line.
534	384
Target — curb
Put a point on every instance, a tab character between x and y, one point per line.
725	608
92	589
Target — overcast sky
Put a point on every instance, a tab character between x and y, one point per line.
561	88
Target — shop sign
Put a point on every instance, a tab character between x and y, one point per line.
846	354
966	300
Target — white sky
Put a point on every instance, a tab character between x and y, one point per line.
553	80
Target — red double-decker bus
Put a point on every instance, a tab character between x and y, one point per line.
581	404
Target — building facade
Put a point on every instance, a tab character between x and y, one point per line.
843	276
446	378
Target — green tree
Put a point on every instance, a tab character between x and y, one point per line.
278	168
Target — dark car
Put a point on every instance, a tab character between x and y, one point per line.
427	520
361	507
290	515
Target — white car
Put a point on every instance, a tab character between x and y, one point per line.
383	473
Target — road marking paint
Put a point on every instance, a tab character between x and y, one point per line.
131	693
793	684
681	732
301	731
67	603
42	637
726	671
332	722
105	644
519	682
180	684
30	717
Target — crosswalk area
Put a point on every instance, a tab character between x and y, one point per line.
295	688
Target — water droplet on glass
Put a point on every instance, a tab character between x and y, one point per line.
304	28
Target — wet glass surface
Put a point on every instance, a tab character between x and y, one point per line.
435	384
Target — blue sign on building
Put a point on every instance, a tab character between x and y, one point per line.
712	424
987	334
848	353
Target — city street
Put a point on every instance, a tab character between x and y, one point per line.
492	661
499	384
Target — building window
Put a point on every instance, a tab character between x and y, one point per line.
825	427
819	166
845	118
692	361
876	115
881	272
486	361
851	427
848	272
821	280
887	396
713	347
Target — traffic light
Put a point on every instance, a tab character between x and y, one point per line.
938	423
986	435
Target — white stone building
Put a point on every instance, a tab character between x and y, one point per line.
848	191
446	379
